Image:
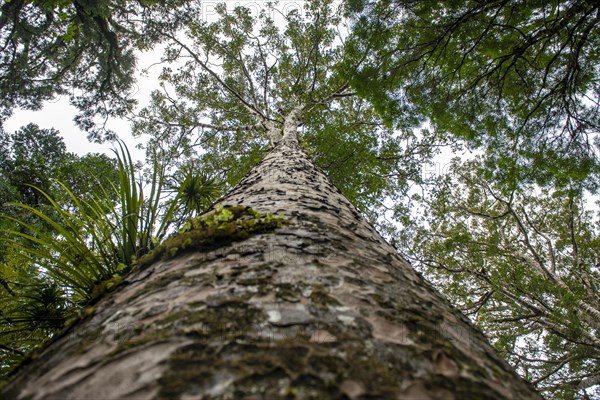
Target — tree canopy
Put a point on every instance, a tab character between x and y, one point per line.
242	77
506	234
84	50
35	157
524	265
518	79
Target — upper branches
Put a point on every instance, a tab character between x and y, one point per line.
512	77
238	84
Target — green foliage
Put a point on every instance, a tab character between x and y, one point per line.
517	79
524	265
80	49
76	265
33	305
226	114
196	189
68	248
32	308
31	155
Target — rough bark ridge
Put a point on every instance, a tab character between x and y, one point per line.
322	307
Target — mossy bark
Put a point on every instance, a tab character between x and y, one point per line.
318	307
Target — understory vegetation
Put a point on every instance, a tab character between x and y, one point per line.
64	251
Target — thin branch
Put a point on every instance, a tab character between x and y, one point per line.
224	85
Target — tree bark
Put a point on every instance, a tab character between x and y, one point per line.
321	307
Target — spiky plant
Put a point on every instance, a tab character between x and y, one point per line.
196	189
96	239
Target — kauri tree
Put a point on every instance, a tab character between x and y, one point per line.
283	289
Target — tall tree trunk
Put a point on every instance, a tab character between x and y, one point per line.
321	307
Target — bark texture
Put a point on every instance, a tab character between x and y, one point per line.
322	307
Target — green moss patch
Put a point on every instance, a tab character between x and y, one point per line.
220	227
